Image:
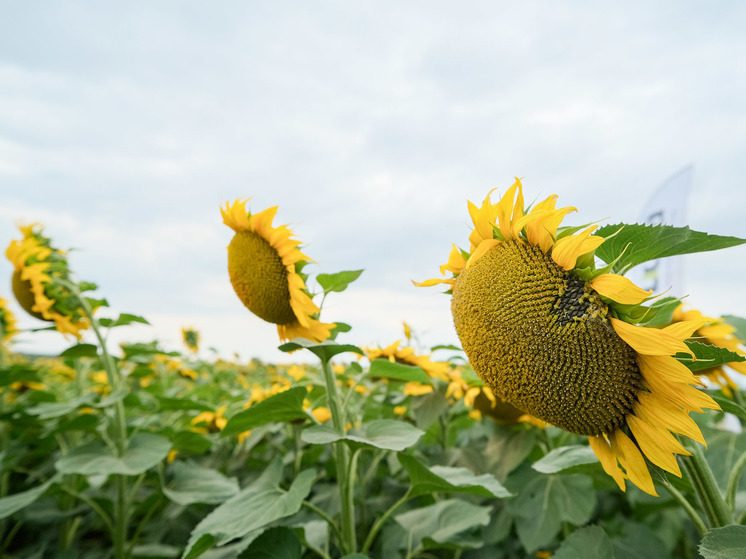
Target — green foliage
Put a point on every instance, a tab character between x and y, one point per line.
436	479
728	542
565	458
145	450
642	243
590	542
383	368
707	356
337	282
285	406
385	434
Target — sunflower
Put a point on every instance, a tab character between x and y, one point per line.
40	282
547	333
721	334
190	337
265	267
8	327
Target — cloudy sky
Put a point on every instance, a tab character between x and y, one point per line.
125	126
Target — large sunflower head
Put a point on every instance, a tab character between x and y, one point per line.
8	327
41	279
554	337
266	270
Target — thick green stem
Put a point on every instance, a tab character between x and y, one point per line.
688	509
121	507
342	462
706	488
735	477
381	521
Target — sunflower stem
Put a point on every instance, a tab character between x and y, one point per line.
688	508
709	494
342	461
121	512
735	476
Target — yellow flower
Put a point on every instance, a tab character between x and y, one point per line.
8	327
190	337
417	389
208	421
40	273
322	414
264	264
548	341
400	410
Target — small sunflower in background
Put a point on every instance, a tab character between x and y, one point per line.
266	271
716	332
8	327
190	337
554	337
41	279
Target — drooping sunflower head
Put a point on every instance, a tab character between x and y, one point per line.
266	269
41	280
553	336
8	327
190	337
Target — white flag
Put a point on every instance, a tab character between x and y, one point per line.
666	206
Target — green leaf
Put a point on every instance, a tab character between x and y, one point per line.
145	450
337	282
707	356
193	483
285	406
638	541
182	404
738	323
438	479
190	441
650	242
446	346
383	368
444	522
564	458
276	543
728	542
387	434
13	503
728	405
542	502
48	410
590	542
123	320
80	350
256	506
339	328
323	350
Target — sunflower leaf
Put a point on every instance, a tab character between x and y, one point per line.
587	543
445	479
337	282
564	458
285	406
324	350
728	542
650	242
387	434
707	356
728	405
383	368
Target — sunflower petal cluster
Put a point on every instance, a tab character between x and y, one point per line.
265	267
552	335
41	277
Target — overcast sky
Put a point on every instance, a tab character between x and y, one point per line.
125	126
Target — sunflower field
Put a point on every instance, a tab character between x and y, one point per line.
581	416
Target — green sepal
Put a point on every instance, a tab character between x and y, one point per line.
650	242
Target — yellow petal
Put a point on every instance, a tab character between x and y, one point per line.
619	289
657	411
603	452
664	367
633	462
456	262
658	445
649	341
434	281
505	209
567	250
